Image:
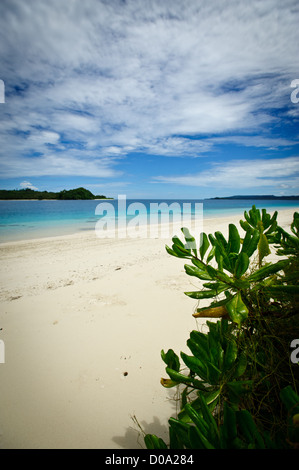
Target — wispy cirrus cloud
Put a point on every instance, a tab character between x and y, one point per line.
91	83
282	173
56	164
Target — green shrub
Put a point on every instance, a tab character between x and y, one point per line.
237	382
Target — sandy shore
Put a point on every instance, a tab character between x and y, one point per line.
84	320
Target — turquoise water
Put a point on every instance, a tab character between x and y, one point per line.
22	220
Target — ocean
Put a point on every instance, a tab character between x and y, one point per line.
25	220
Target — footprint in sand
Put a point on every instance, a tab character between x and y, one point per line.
107	301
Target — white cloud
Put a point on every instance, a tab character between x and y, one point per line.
55	164
116	77
240	174
254	141
27	184
177	147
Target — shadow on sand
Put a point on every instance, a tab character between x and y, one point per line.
133	437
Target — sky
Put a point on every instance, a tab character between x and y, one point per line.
150	98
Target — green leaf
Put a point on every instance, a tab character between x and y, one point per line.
210	397
248	235
204	367
219	275
273	218
176	241
175	442
202	294
241	264
196	404
219	259
248	219
251	217
190	240
282	289
171	359
198	345
171	252
265	218
195	365
222	243
221	252
197	272
198	440
216	286
241	365
272	228
255	215
232	261
295	224
213	434
213	373
215	348
263	247
268	221
212	271
204	245
200	423
211	254
177	377
268	270
212	239
184	397
230	354
249	429
182	432
183	379
246	226
198	263
199	337
238	388
229	427
181	252
251	243
233	239
237	310
153	442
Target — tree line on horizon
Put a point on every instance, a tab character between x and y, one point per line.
28	193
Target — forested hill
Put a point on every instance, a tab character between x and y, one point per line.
78	193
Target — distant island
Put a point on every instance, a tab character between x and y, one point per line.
78	193
294	198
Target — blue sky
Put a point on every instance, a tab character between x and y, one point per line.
152	99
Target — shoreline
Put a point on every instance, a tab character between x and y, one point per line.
70	231
83	323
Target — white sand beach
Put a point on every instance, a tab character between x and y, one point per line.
83	322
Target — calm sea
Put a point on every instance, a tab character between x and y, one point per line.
23	220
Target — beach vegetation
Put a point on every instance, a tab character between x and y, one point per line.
78	193
237	385
28	193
